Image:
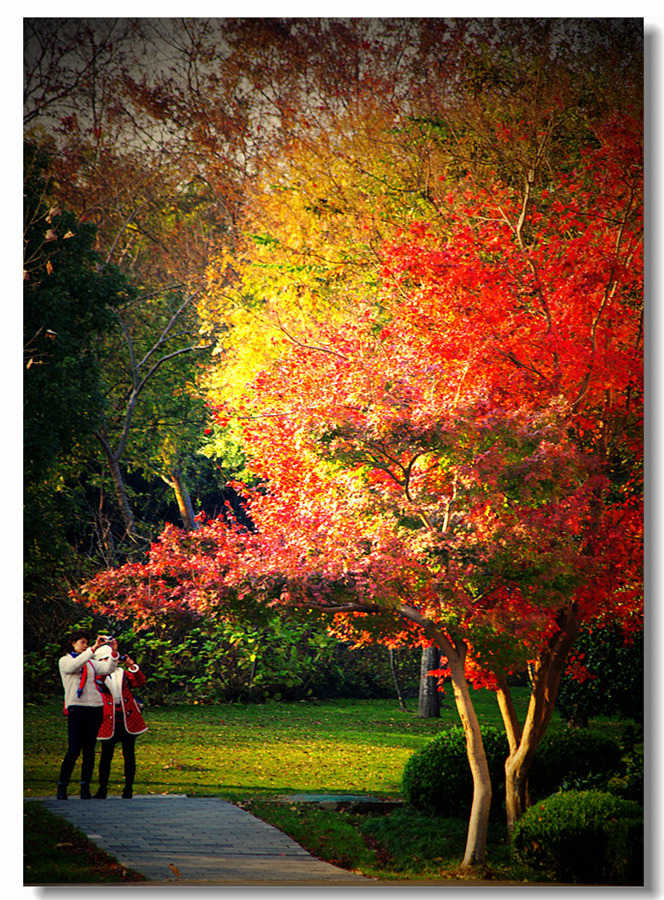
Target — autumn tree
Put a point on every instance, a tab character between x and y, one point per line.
68	296
123	177
441	460
441	405
513	137
161	156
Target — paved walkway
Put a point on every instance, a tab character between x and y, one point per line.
201	840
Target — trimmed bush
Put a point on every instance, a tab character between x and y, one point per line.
437	778
582	837
574	758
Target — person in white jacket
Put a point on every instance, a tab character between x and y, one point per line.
81	679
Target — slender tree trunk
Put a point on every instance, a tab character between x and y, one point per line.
118	483
516	771
478	824
547	672
508	713
177	482
104	533
428	706
397	687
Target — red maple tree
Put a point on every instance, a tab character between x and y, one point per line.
460	462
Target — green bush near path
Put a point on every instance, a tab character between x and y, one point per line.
582	837
437	779
573	758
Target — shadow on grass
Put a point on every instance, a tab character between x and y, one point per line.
399	844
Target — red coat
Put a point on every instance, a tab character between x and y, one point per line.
133	720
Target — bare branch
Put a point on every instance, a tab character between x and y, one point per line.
294	340
133	397
161	339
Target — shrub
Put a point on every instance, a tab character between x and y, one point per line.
573	758
616	685
437	779
629	785
582	837
263	655
41	676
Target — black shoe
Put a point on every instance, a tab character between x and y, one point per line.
127	793
62	792
85	791
101	793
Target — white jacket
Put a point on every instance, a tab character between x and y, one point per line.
70	673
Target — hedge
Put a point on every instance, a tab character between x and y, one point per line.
437	779
582	837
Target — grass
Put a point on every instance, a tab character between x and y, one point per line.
255	755
240	752
399	845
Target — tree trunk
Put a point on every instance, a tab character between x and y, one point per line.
478	824
397	687
547	673
118	483
184	500
104	532
429	699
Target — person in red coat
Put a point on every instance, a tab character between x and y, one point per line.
122	722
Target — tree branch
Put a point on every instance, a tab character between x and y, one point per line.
294	340
133	397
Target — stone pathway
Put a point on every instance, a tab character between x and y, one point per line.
197	840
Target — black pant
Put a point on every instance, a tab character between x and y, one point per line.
128	751
83	723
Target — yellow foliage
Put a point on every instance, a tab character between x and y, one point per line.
311	239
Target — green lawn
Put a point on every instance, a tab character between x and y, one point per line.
251	751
